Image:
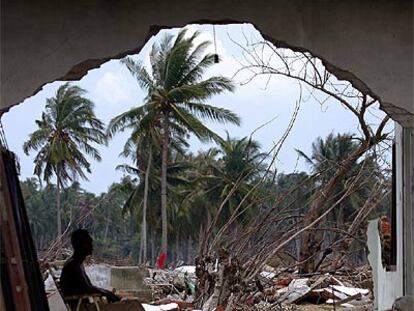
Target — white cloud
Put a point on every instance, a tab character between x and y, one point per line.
111	87
207	36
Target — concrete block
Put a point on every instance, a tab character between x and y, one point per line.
128	278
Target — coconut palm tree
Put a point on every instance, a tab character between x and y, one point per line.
175	102
65	132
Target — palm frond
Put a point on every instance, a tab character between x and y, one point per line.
140	73
201	91
305	156
126	120
194	125
212	113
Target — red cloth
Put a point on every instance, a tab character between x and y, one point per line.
161	261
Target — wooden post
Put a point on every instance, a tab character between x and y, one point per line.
11	246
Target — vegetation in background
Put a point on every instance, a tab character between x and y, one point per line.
225	199
197	185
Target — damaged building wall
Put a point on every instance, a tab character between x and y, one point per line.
408	208
367	42
388	285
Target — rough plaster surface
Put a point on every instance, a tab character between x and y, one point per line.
388	285
128	278
368	42
408	216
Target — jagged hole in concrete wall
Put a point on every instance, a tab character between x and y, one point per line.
277	86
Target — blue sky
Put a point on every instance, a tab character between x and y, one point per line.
114	91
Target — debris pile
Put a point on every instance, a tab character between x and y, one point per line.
287	289
272	290
178	284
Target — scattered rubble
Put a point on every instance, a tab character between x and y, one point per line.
295	291
179	284
277	290
175	290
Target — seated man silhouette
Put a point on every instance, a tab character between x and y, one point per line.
75	281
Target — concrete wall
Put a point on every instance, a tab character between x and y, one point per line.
388	285
369	42
408	214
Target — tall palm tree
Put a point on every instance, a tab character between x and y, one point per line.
175	101
65	132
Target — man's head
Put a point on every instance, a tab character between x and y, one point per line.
82	242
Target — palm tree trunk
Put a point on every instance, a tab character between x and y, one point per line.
106	227
153	247
189	250
140	247
164	220
59	218
177	247
144	210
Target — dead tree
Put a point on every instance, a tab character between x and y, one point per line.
262	58
232	256
228	271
